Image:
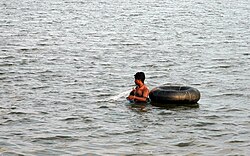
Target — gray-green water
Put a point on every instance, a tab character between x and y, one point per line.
66	67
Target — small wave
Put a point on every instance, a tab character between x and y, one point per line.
201	124
236	141
141	144
132	131
184	144
234	110
7	65
213	117
7	57
103	107
53	138
104	94
17	113
165	112
94	154
229	94
39	87
8	121
70	119
11	153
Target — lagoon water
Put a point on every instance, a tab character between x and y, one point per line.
66	67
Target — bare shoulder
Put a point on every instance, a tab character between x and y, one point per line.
145	88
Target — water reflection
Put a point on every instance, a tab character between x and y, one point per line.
139	107
145	107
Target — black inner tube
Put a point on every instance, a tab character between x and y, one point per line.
174	95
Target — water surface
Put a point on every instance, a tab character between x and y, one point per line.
66	67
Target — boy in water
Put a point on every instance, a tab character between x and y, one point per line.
141	92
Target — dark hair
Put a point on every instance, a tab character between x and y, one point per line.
140	76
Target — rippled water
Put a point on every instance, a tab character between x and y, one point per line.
66	67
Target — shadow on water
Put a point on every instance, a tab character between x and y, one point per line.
145	107
139	107
182	106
